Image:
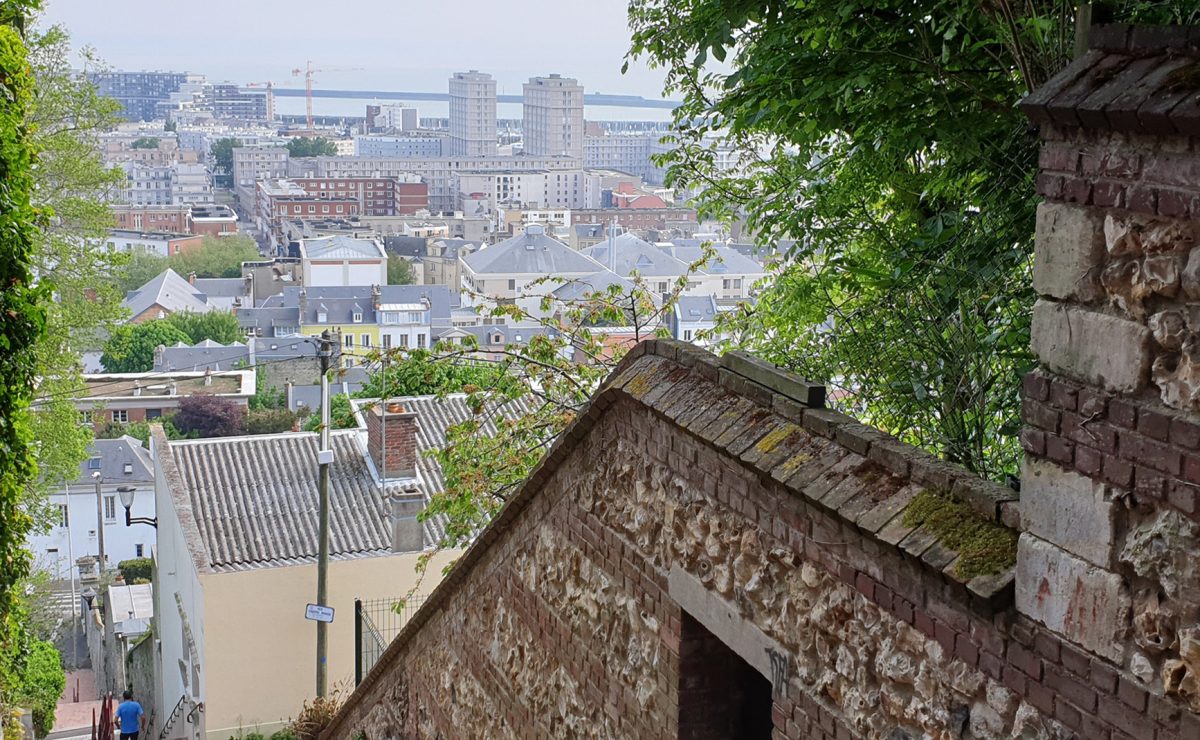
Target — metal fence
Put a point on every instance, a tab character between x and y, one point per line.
376	623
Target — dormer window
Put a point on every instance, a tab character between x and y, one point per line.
358	317
322	317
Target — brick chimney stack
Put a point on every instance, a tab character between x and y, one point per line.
1110	484
392	439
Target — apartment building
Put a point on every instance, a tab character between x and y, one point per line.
206	220
409	145
160	243
377	196
124	398
537	188
140	93
436	172
552	124
472	115
254	163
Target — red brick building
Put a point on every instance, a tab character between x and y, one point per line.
636	219
202	220
376	196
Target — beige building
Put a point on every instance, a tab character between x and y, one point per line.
553	117
472	115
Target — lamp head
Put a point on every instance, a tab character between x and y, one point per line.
126	494
96	475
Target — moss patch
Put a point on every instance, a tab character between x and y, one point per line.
772	440
984	548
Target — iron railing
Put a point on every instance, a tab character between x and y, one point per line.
376	623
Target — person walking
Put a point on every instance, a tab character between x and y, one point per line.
131	719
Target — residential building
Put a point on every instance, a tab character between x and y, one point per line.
437	173
207	220
279	360
553	117
191	184
534	189
254	163
377	196
693	319
221	641
342	260
160	185
521	270
122	463
441	264
395	117
213	220
643	219
414	145
627	255
168	293
125	398
139	93
630	152
472	115
727	273
162	244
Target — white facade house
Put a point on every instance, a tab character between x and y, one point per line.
405	325
77	515
342	260
522	270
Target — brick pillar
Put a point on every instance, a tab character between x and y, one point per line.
392	440
1112	429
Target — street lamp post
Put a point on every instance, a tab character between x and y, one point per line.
126	494
99	520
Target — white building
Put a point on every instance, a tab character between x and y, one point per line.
627	152
397	117
254	163
191	184
522	270
553	117
472	115
122	463
343	260
414	145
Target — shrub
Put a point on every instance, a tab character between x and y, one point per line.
136	568
209	416
269	421
315	715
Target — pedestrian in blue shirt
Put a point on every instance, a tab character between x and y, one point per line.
130	717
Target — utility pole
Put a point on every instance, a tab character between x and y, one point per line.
324	459
99	521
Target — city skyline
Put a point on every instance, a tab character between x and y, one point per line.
365	54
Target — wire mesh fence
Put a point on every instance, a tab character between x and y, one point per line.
376	624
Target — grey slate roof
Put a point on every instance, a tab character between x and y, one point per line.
255	498
267	317
531	253
725	261
171	292
406	246
207	355
340	302
637	254
114	454
598	282
340	246
221	287
696	308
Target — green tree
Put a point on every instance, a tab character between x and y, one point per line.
222	154
73	189
420	372
399	271
130	349
136	568
269	421
300	146
23	307
217	257
882	138
341	415
137	269
145	142
219	326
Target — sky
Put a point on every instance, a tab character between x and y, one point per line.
382	44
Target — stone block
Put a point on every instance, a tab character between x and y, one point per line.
1103	350
1072	597
1068	252
1069	510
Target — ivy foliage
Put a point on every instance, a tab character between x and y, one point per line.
877	146
22	310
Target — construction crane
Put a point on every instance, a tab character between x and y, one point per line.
308	73
270	97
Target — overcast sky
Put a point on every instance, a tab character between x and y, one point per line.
399	44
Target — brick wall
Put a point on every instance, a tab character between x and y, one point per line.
392	440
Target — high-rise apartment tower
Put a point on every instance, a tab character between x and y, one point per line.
472	115
553	121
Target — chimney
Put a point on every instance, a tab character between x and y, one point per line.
208	376
376	294
392	439
160	356
303	305
406	504
192	278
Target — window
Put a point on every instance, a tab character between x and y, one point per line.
365	339
64	518
349	362
312	209
139	550
120	416
420	340
687	335
358	317
403	340
110	508
512	284
348	340
85	417
416	317
387	341
322	317
153	414
94	463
